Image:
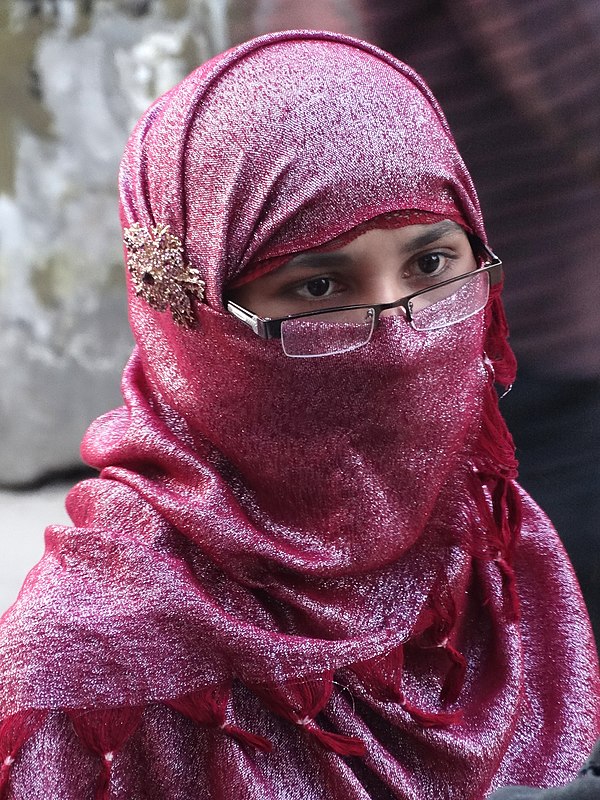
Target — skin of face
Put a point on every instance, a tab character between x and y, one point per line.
379	266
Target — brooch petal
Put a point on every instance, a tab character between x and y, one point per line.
159	272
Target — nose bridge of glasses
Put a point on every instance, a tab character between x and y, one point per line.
392	308
396	311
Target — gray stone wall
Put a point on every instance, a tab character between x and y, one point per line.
74	77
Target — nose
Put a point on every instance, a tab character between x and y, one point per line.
393	312
388	291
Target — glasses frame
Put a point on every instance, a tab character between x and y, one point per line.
270	328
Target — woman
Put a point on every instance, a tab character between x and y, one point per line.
305	569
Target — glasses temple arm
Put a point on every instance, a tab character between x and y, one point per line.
265	328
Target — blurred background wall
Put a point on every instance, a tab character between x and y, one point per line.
74	77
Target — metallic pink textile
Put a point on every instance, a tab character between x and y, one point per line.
325	556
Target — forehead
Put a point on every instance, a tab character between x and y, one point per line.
404	240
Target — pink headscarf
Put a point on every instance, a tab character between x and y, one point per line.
285	563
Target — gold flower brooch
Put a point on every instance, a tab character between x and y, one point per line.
160	274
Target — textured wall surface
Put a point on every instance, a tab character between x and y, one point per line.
74	77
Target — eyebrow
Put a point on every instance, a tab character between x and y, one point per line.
316	259
432	234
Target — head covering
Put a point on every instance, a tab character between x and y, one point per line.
316	558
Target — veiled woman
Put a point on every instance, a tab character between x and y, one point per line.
305	569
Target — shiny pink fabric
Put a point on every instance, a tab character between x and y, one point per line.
320	558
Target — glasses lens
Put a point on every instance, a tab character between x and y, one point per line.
328	333
446	305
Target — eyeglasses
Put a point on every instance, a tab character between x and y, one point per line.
331	331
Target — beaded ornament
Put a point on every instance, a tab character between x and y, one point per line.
159	272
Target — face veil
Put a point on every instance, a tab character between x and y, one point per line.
320	558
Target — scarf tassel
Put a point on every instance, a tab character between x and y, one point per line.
496	344
496	462
510	503
300	702
495	445
502	524
208	707
510	588
103	785
335	742
14	732
430	719
434	629
507	517
246	737
382	677
455	677
104	732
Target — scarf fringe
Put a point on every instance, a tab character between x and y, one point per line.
336	742
503	524
455	677
495	462
103	786
496	341
208	707
382	677
300	702
246	737
14	732
434	630
104	732
432	719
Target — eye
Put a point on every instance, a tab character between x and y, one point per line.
312	291
434	267
432	264
319	287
